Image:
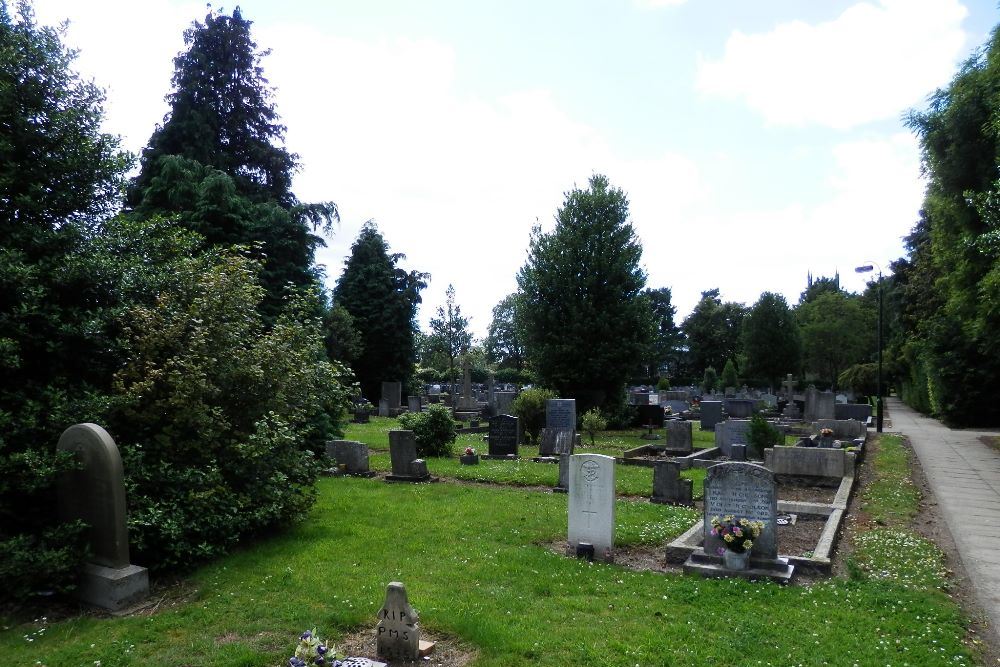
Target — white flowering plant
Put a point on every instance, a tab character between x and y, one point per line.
312	652
736	533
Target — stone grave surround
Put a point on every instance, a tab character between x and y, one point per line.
592	504
95	494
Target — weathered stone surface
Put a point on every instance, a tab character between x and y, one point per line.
679	436
731	432
397	636
860	411
560	413
556	441
592	503
668	485
403	454
843	429
809	461
739	408
392	393
413	404
503	402
819	405
352	454
743	490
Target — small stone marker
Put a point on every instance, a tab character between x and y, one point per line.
592	503
668	485
352	455
95	494
503	436
397	636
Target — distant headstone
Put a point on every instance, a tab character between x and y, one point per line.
351	454
843	429
788	386
739	408
674	396
560	413
563	484
361	413
392	393
383	407
668	485
711	414
413	404
503	402
592	503
770	400
556	441
678	436
503	435
397	636
406	467
743	490
792	411
650	415
860	411
819	405
730	392
840	398
95	494
731	432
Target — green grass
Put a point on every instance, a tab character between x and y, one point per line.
893	551
477	564
480	565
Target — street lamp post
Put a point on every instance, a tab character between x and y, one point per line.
867	268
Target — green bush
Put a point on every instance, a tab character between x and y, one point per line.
663	384
762	435
515	376
711	379
218	418
729	377
434	430
529	407
593	422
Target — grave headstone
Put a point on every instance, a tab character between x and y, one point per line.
792	411
352	455
843	429
361	413
650	415
788	386
860	411
563	484
819	405
503	436
467	401
503	402
739	408
383	407
678	436
676	407
406	467
711	414
560	413
742	490
592	503
95	494
668	485
556	441
731	432
392	393
413	404
397	636
737	452
675	395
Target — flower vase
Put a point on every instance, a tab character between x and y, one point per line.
736	561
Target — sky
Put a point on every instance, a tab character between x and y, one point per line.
756	141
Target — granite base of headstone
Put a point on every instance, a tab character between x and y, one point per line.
351	458
741	490
406	467
95	494
737	452
668	485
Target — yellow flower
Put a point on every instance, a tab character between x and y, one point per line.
728	518
744	522
728	538
748	544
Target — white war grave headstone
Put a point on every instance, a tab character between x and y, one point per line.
592	504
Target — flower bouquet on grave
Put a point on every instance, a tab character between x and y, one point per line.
737	535
469	458
312	651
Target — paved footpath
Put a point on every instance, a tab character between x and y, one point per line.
964	474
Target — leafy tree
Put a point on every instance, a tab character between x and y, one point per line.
585	323
219	418
771	339
664	349
382	299
58	175
817	286
836	333
450	331
503	338
343	343
729	376
592	422
713	331
217	159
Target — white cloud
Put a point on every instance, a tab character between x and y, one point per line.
657	4
870	63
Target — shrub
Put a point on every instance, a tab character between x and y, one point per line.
515	376
434	430
762	435
710	380
663	384
593	422
529	407
729	377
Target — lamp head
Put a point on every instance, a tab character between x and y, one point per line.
864	269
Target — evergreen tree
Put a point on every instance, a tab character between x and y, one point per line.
667	338
836	333
58	176
586	324
771	340
450	331
382	299
729	377
503	340
713	331
218	163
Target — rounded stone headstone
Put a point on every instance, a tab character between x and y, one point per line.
95	492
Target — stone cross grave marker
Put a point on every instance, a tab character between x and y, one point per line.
95	494
503	435
397	636
789	386
592	503
743	490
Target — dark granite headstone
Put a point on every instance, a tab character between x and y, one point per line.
560	413
503	435
650	414
860	411
711	414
